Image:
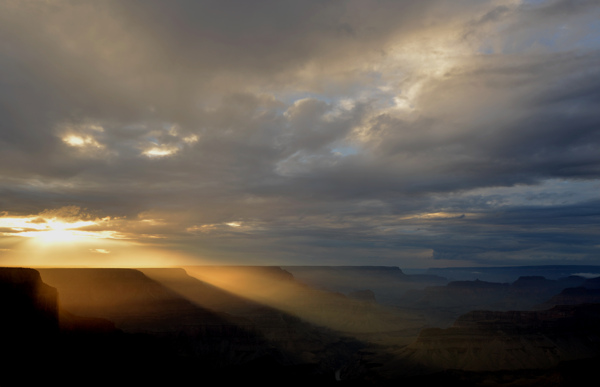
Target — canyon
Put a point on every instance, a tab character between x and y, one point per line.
295	325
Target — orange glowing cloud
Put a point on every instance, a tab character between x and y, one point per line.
70	236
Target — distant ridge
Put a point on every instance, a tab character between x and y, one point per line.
389	271
512	273
494	341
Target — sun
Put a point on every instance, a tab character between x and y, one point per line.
68	237
57	236
56	231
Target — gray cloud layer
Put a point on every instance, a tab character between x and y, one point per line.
408	133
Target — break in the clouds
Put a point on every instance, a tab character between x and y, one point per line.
409	133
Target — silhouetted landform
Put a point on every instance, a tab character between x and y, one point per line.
273	323
574	296
516	340
127	297
277	288
580	373
592	283
363	274
443	304
29	313
511	273
242	324
388	283
195	323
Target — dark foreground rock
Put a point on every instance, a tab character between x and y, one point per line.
161	326
129	330
28	314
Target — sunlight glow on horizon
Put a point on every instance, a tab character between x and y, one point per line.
69	237
53	230
358	132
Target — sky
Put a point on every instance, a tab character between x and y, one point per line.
402	133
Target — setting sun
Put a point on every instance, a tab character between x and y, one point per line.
70	234
50	230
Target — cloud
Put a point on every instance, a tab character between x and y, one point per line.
358	129
100	251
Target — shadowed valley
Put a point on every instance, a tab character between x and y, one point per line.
297	325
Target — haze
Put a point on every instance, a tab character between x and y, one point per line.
398	133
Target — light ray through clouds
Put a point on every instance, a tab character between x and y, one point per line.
408	133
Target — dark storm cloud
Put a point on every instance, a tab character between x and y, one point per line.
527	235
359	131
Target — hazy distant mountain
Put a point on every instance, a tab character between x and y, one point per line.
279	289
587	292
512	273
443	304
388	283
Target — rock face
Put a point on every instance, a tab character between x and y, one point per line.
493	341
180	323
28	325
277	288
134	302
137	304
240	324
29	306
574	296
444	304
304	343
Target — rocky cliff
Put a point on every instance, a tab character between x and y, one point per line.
443	304
493	341
29	306
581	292
363	319
134	302
28	326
